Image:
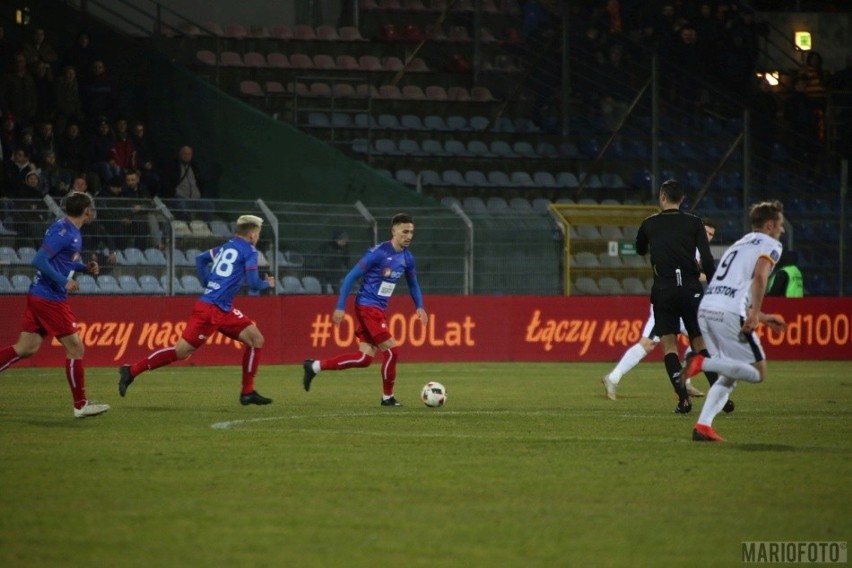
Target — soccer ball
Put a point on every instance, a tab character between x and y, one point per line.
433	394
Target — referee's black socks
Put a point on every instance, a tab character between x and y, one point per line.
674	370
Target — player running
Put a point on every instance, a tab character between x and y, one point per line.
232	263
380	269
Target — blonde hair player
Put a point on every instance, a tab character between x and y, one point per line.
223	270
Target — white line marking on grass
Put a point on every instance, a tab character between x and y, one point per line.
229	424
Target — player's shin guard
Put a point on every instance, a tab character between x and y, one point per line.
673	369
76	375
8	357
389	370
155	360
711	376
251	359
346	361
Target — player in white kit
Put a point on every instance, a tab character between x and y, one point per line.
649	341
730	313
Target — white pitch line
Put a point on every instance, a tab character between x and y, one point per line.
230	424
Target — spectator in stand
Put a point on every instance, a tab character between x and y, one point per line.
81	56
66	92
16	172
115	214
618	87
8	135
123	153
333	262
184	188
45	100
97	92
30	215
100	152
688	59
44	140
141	205
70	148
26	142
98	245
145	159
19	92
57	180
37	49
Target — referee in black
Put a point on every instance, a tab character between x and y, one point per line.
673	237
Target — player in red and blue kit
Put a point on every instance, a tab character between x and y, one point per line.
379	269
48	312
223	269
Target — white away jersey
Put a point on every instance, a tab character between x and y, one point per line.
730	288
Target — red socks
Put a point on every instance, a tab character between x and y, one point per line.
76	375
8	357
389	370
346	361
155	360
251	358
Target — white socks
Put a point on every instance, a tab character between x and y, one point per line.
316	366
717	396
732	369
630	359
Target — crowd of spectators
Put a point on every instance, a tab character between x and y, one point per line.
63	127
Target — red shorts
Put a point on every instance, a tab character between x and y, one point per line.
207	319
372	325
49	317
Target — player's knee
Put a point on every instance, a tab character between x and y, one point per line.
25	351
75	352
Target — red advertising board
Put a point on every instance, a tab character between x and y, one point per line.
118	329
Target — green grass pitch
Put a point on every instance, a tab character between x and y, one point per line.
527	465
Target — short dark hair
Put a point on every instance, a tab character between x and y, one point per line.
708	222
765	211
76	203
673	189
401	218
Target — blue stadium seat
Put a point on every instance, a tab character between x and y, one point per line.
21	283
108	284
150	284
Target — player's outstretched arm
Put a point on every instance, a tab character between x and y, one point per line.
775	321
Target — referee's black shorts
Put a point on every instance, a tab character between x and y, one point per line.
675	303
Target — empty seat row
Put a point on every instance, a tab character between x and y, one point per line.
305	285
278	60
497	204
604	260
435	123
498	178
489	6
363	90
301	32
458	149
609	286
